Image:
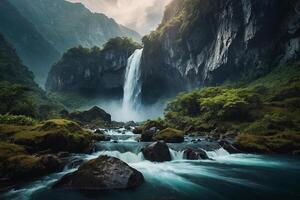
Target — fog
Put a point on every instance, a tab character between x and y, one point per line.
142	16
114	107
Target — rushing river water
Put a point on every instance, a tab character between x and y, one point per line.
239	176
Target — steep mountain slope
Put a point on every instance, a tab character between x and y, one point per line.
93	71
19	94
66	25
32	47
209	42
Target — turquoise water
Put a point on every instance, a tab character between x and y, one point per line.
229	177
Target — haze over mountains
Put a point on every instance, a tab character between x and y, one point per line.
142	15
41	30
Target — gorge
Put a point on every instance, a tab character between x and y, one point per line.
206	106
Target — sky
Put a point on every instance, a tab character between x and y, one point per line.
142	16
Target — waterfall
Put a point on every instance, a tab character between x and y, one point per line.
132	86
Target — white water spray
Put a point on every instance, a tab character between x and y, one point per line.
132	86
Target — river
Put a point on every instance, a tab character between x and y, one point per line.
228	177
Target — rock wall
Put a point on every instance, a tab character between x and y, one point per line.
209	42
93	71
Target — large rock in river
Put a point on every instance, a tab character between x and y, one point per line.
157	152
169	135
91	115
102	173
191	154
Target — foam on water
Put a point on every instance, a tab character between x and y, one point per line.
176	155
219	153
179	175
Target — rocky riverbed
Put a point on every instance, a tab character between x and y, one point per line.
181	172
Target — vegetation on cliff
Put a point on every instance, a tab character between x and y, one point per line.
19	94
265	113
89	72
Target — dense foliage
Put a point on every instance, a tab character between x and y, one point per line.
265	112
19	94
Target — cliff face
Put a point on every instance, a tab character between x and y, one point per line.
93	71
209	42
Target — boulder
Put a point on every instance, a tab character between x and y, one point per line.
55	135
157	152
23	167
89	116
99	131
147	136
228	146
101	137
191	154
102	173
170	135
137	130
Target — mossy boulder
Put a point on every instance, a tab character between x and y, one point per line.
102	173
23	167
169	135
57	135
16	164
9	150
28	167
24	147
157	124
54	135
279	143
93	117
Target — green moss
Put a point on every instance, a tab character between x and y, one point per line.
54	135
261	111
8	150
17	120
170	135
158	124
285	142
250	143
23	167
180	16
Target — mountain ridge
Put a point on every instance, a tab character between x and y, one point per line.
52	27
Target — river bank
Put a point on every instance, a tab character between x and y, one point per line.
224	176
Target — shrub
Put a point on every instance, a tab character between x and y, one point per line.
17	120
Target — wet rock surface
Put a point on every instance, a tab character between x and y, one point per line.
191	154
102	173
157	152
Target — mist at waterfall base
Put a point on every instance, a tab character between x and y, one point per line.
130	107
118	113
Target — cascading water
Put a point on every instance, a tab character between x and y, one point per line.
132	86
179	178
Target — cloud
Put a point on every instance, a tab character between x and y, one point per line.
139	15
